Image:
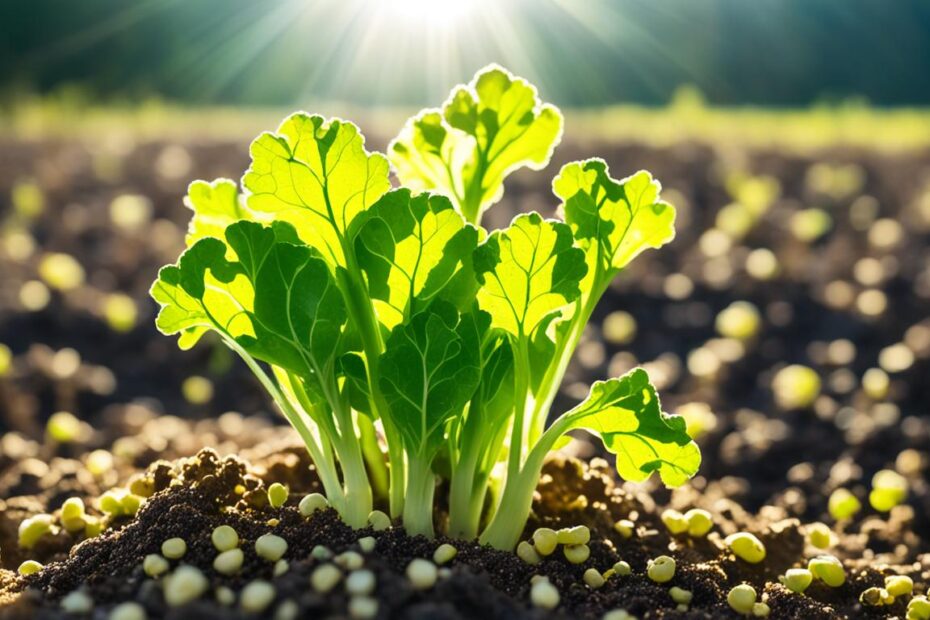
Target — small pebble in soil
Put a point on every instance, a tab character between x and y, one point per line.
741	598
543	594
311	503
155	565
828	569
797	579
174	548
256	596
379	521
77	602
360	582
545	540
422	574
661	569
184	585
127	611
224	538
270	547
746	546
324	578
577	554
29	567
228	562
444	553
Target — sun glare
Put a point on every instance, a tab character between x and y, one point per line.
434	13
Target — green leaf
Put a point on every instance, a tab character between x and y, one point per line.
626	414
429	371
316	174
485	131
527	273
277	300
215	205
415	249
614	221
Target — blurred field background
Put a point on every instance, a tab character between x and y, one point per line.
793	137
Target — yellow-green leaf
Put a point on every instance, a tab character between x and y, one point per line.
316	174
626	414
215	205
614	221
485	131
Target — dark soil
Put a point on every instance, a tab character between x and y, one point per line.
764	470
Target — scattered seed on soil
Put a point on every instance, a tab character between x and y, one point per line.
224	538
256	596
174	548
270	547
422	574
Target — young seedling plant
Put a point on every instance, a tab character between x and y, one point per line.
380	317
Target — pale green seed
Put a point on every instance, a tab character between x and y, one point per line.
680	595
228	562
280	567
578	535
527	553
577	554
29	567
378	520
360	582
661	569
873	596
623	568
742	598
544	595
73	508
184	585
311	503
130	503
277	495
899	585
593	578
797	579
444	553
828	569
224	538
34	528
77	602
674	521
422	574
127	611
843	504
320	552
270	547
155	565
625	528
324	578
699	521
225	596
174	548
761	610
545	540
918	608
349	560
362	607
256	596
746	547
618	614
367	543
819	535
